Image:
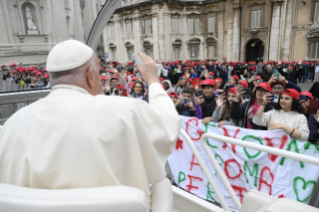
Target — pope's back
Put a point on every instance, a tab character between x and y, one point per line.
76	137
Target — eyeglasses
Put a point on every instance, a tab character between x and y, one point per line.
261	90
277	88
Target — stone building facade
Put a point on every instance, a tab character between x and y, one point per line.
30	28
214	29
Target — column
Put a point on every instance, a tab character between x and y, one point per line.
230	38
167	39
220	33
161	36
184	47
274	33
287	32
137	32
236	32
155	36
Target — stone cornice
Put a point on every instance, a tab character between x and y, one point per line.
237	7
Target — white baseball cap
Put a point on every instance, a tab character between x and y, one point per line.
68	55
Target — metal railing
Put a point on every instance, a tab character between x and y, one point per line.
221	174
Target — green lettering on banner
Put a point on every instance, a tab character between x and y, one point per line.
292	143
245	150
209	193
305	185
181	177
221	159
251	173
308	144
206	130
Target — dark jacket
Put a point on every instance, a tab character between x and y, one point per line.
292	76
185	110
313	128
266	75
315	90
237	112
208	107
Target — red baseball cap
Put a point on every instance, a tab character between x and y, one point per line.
14	71
212	73
277	83
290	67
103	77
103	68
220	80
232	90
252	68
235	77
115	77
210	82
12	64
120	87
129	63
292	92
161	79
265	86
134	78
244	84
44	69
39	73
172	93
46	76
258	78
307	93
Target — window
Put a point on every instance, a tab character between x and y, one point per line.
211	52
314	51
211	24
175	26
193	25
177	51
113	52
148	27
128	29
255	19
149	52
316	13
130	54
194	51
111	31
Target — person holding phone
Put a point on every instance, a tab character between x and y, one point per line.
288	115
304	100
249	108
222	111
185	105
206	103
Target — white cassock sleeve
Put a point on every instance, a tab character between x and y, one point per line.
160	122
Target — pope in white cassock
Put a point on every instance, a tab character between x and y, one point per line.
77	138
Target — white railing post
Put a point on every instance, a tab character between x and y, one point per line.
206	171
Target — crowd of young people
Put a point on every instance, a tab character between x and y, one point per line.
261	96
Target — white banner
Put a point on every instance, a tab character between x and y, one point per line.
245	168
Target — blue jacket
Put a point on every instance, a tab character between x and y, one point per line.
313	128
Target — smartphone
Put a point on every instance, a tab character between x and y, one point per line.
138	75
196	81
276	73
200	93
303	98
186	101
125	92
246	91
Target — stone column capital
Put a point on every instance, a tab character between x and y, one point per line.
237	7
221	10
278	2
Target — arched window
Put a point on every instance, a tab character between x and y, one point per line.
148	46
177	49
211	48
193	46
113	51
130	51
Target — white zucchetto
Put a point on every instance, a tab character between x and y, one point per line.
68	55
